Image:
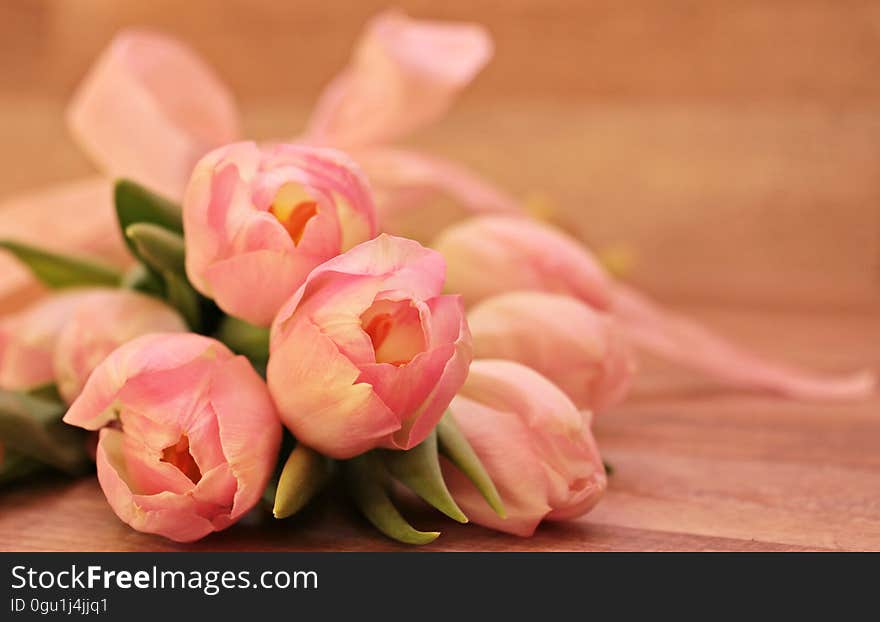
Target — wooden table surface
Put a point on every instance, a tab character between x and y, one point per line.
732	147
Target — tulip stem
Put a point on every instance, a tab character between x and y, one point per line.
369	482
456	447
419	469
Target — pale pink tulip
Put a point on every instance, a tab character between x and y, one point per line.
189	435
258	220
578	348
535	444
367	353
101	322
403	75
28	339
149	109
489	255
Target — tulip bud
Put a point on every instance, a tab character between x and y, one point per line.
535	444
257	221
367	353
149	108
103	321
579	349
189	435
491	255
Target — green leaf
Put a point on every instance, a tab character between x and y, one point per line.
142	279
304	474
243	338
184	298
368	482
58	271
159	248
456	447
32	426
419	470
135	204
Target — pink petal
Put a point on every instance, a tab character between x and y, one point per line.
250	431
149	109
403	75
171	516
489	255
28	339
318	394
576	347
150	354
417	195
686	342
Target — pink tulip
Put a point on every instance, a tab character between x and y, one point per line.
258	220
490	255
28	340
101	322
367	353
403	75
578	348
149	109
535	444
63	337
189	435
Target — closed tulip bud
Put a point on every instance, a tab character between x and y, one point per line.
367	353
534	443
578	348
489	255
189	435
62	338
258	220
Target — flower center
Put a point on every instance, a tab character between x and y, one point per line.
294	208
395	330
179	456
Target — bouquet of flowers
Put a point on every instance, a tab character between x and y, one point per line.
327	310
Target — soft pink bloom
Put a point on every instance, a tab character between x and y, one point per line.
367	353
403	75
28	339
258	220
490	255
101	322
578	348
535	444
63	337
149	109
189	434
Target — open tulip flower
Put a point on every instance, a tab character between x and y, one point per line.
533	441
189	434
368	353
257	221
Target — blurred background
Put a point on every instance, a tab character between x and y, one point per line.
730	149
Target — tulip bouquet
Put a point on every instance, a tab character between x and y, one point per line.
294	317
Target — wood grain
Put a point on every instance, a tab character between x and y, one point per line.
732	148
